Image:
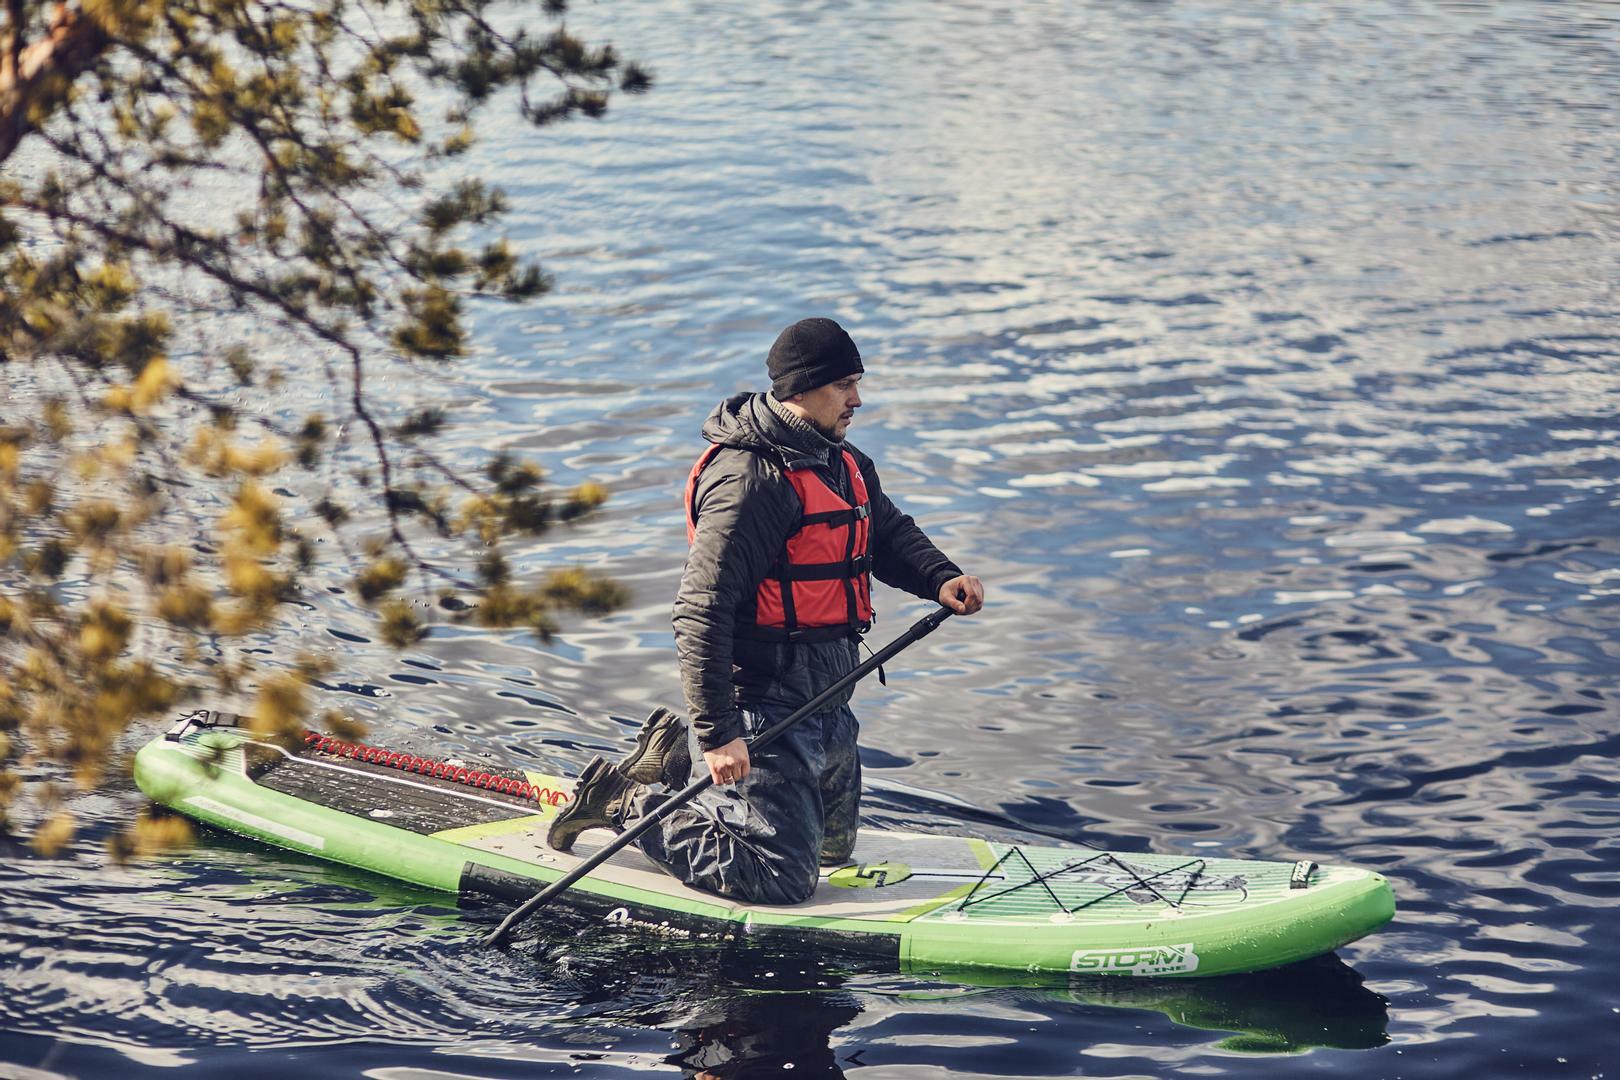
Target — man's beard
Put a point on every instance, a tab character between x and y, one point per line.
831	434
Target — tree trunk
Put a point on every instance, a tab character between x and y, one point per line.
34	76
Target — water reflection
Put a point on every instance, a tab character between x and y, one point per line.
751	1011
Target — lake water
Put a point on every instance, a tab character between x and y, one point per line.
1263	361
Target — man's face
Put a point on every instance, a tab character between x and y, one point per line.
833	406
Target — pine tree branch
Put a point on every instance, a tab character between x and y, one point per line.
187	252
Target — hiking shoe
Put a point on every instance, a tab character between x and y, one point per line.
601	799
661	754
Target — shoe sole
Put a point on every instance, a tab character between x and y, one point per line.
565	831
632	765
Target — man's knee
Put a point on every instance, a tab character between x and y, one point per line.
786	889
775	884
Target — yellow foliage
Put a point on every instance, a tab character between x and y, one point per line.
94	521
312	666
118	399
504	605
479	514
233	619
210	121
35	672
125	122
206	450
54	834
120	453
223	74
104	632
156	381
578	588
255	520
126	691
110	285
279	711
260	460
399	625
37	496
459	141
341	725
87	466
380	577
150	835
165	565
250	579
589	494
217	454
122	18
186	605
57	420
285	33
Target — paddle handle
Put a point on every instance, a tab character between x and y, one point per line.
919	630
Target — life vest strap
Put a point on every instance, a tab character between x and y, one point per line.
838	517
808	635
826	571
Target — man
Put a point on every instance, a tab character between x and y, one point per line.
787	524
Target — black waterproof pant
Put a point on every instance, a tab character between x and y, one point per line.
764	840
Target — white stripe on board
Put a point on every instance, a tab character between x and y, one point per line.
254	821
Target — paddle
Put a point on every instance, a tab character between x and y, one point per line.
920	630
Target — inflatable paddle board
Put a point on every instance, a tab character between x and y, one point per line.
921	902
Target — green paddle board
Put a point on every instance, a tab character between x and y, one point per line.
922	902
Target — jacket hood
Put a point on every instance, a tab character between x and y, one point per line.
745	421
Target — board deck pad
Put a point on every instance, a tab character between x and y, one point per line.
926	901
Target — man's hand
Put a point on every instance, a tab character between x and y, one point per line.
963	595
728	764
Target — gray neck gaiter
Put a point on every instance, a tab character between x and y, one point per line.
814	441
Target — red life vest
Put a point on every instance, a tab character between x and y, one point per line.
820	587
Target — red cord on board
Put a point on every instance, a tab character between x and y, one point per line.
440	770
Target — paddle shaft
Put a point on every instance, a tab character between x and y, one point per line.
921	629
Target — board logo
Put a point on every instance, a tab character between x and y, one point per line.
870	875
622	917
1151	960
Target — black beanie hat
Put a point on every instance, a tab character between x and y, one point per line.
808	354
